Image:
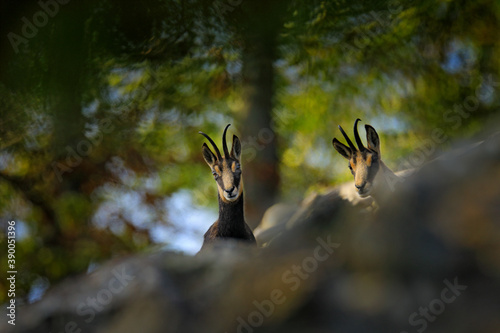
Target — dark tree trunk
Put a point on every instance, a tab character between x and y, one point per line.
67	78
263	21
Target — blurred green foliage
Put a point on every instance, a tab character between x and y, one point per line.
111	94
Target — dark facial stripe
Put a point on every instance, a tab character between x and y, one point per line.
227	166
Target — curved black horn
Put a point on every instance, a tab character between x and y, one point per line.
224	143
356	136
349	142
219	157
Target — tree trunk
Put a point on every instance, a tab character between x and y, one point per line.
262	22
67	77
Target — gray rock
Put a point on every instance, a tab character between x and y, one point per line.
427	260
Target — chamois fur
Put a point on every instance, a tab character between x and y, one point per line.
371	176
227	174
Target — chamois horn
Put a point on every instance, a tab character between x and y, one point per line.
349	142
219	157
356	136
224	143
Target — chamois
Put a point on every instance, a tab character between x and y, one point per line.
371	176
227	174
372	180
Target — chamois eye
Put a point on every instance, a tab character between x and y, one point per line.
215	174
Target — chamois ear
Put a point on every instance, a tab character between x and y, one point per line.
209	157
236	148
372	139
342	148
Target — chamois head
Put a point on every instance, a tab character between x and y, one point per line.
364	163
226	170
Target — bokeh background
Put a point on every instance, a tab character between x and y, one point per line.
101	102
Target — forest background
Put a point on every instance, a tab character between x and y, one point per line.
101	102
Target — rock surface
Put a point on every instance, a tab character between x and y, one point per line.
427	260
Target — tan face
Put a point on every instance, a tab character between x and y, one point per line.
364	163
226	170
227	174
364	167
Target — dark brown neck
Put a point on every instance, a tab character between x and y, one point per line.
231	217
